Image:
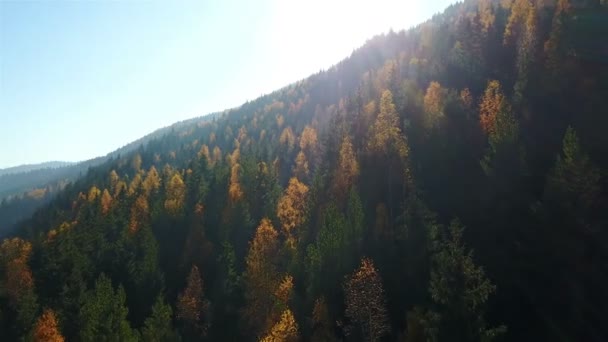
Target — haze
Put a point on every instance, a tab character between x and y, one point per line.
80	79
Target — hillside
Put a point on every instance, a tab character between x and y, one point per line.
26	188
444	183
32	167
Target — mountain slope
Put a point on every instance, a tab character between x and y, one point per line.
26	188
336	207
32	167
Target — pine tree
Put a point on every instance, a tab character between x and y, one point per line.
365	302
103	316
159	326
192	307
460	289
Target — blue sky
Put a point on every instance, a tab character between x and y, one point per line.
79	79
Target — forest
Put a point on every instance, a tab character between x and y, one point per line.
444	183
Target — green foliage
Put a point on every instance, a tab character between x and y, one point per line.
103	316
459	288
448	119
159	326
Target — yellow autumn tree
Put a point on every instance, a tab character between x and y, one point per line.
308	139
385	132
261	276
433	105
139	213
235	190
491	103
93	193
283	292
176	195
204	153
347	171
486	14
135	184
300	169
287	138
106	201
285	330
47	328
113	181
152	181
291	209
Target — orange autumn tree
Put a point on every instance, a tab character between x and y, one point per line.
47	328
291	209
17	282
492	101
139	213
261	276
235	190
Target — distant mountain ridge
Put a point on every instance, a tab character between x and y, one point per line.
31	167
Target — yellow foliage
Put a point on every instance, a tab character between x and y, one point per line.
235	192
121	186
287	138
135	184
347	170
176	195
47	328
93	193
37	193
283	292
491	103
300	170
106	201
113	181
385	132
152	181
139	213
433	105
204	153
486	14
308	139
261	276
285	330
291	209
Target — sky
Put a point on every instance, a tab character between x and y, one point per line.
79	79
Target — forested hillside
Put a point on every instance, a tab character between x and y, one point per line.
23	189
445	183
